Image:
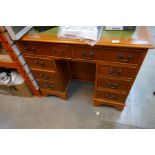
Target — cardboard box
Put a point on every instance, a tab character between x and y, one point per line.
16	90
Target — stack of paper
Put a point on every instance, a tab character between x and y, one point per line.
88	33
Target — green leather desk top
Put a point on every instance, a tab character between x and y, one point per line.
137	39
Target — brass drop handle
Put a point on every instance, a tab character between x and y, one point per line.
84	53
40	63
36	62
112	85
115	72
122	59
32	50
54	51
63	51
110	96
44	76
92	53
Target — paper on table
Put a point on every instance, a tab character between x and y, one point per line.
87	33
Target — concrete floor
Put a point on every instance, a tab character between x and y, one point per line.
78	112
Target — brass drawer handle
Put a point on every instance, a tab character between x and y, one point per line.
122	59
86	56
63	51
49	87
115	72
112	85
92	53
36	62
30	49
110	96
54	51
44	76
39	63
84	53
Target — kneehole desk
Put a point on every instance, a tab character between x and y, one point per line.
113	67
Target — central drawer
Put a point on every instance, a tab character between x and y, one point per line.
110	83
121	55
45	75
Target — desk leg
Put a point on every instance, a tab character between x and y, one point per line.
64	96
118	106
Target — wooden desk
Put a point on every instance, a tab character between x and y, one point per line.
113	67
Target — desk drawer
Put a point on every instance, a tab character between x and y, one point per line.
107	95
45	49
117	71
40	63
45	75
122	85
110	54
48	85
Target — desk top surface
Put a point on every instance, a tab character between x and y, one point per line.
137	39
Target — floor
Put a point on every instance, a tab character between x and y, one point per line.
78	111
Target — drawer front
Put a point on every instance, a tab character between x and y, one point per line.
45	49
45	75
48	85
113	84
116	71
107	95
110	55
39	63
